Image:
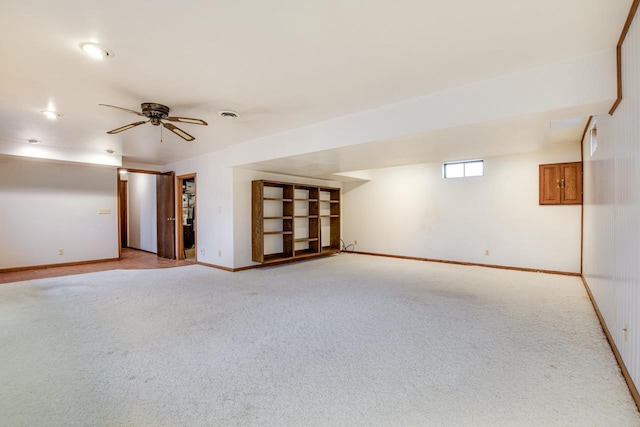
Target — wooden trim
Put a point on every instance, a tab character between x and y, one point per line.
618	100
473	264
625	30
64	264
142	250
267	264
119	204
229	269
248	267
584	134
128	170
219	267
179	228
623	368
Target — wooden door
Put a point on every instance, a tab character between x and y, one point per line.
571	179
561	184
550	185
166	215
124	229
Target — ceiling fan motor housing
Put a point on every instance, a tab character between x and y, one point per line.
155	112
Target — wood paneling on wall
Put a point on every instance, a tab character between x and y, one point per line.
612	212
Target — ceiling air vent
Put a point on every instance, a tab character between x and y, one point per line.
228	114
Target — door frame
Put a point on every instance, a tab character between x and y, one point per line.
119	171
123	212
179	228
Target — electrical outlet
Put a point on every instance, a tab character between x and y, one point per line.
219	253
61	251
626	332
202	251
486	252
355	242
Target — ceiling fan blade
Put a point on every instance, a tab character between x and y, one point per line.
182	134
187	120
123	109
129	126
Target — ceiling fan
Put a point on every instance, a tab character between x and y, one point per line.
157	113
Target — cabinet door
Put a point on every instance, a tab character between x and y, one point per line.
550	185
571	183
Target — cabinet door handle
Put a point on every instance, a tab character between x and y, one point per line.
558	184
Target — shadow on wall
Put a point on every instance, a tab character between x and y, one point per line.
352	185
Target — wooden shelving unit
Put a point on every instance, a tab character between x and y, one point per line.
294	221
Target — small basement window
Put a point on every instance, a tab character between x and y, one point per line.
463	169
594	137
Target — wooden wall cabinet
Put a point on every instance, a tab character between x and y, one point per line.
293	221
561	184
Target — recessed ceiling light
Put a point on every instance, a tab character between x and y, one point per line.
96	51
228	114
50	114
33	141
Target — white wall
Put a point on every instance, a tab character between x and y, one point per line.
413	211
141	197
45	207
223	207
611	264
214	206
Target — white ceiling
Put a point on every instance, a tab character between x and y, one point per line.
281	64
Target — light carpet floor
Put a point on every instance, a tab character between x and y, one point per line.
339	341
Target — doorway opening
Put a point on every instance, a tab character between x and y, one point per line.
123	212
146	211
187	224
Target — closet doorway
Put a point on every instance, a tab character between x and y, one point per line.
187	223
147	211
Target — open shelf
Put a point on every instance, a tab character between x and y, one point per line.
275	257
330	250
306	239
305	253
304	235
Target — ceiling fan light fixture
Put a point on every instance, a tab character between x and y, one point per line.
50	114
96	51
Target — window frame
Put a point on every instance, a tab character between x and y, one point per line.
464	168
593	138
